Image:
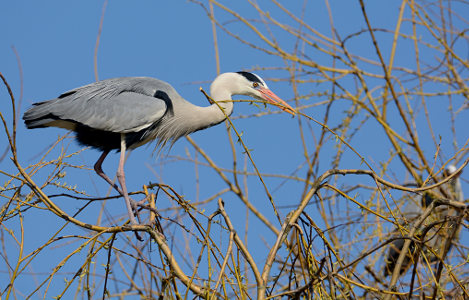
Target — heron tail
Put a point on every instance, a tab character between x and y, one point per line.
42	114
39	115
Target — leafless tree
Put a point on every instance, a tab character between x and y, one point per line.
331	238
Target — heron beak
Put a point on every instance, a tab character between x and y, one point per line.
275	100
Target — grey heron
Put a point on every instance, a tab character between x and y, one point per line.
125	113
437	236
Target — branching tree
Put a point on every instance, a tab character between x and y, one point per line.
382	111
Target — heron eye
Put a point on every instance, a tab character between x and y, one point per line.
255	84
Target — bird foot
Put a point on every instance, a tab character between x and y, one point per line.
136	206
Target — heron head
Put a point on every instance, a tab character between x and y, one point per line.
449	170
254	86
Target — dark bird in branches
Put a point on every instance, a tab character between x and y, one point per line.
437	237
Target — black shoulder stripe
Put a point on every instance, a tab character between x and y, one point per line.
165	97
162	95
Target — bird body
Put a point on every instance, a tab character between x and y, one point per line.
101	111
141	107
128	112
437	236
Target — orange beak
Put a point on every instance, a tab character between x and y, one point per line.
269	96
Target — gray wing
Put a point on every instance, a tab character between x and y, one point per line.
125	104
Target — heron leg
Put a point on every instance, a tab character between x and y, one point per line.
121	179
99	170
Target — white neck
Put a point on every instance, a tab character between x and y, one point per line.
197	117
221	91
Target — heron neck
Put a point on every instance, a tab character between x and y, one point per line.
199	117
457	190
223	106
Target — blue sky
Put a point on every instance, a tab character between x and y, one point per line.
173	41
